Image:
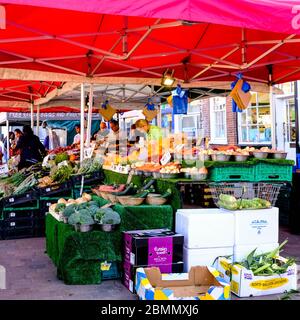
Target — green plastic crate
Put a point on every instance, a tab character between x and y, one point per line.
273	172
232	173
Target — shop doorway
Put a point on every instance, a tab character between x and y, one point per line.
286	126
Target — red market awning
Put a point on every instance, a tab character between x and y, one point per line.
267	15
130	42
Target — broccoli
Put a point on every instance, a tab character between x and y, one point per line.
60	207
93	210
86	219
74	218
93	203
111	218
69	210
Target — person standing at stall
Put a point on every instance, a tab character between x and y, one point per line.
153	137
31	149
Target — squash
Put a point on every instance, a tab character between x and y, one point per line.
61	200
52	207
80	200
86	196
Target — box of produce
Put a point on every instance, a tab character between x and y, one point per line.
152	247
129	272
201	283
260	275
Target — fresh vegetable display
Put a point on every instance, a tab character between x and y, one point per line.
89	166
84	211
229	202
60	157
61	174
107	216
267	264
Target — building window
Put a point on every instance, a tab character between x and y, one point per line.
287	87
254	123
218	130
290	121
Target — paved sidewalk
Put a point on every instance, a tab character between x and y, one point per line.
31	274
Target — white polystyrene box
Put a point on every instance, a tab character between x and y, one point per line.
240	252
205	228
204	257
256	226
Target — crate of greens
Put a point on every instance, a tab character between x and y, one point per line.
261	274
58	183
21	191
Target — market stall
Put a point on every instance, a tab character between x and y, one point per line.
74	248
78	256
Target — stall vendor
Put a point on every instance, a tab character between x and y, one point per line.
153	133
77	137
154	139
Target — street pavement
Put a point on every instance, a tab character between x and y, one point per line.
31	275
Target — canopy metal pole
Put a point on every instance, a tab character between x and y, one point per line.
89	121
273	119
38	120
31	116
82	102
7	140
159	116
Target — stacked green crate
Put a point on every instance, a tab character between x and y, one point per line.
268	171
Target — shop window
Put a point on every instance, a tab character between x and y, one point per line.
254	123
290	127
218	129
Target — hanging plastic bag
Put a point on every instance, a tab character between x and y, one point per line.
240	94
170	100
149	110
107	111
180	101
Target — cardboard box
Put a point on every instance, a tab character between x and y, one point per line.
129	272
203	256
152	247
201	283
256	226
240	252
205	228
245	284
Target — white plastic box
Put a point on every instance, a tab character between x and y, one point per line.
256	226
204	256
205	228
240	252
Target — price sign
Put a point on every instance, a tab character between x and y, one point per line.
3	169
179	147
130	177
88	152
63	163
166	158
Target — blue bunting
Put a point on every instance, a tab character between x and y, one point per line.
150	105
245	87
180	100
104	105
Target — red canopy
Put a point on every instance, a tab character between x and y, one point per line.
267	15
132	42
